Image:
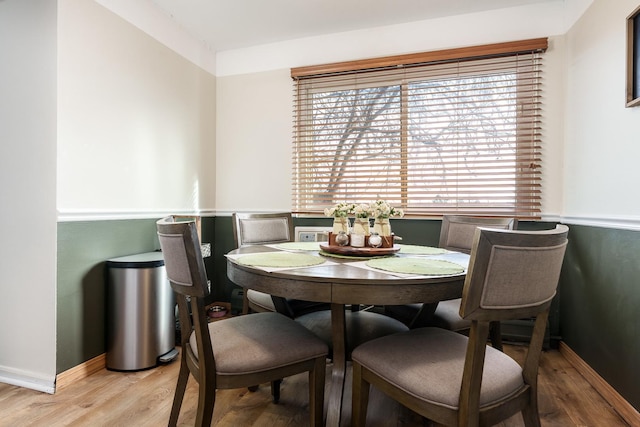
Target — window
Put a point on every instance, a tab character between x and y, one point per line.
455	131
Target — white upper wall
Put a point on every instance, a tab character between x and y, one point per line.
517	23
136	135
602	140
255	96
146	16
28	176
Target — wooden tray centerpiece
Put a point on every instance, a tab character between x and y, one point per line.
387	247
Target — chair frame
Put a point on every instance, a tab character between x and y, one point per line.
469	412
449	221
279	303
484	222
193	317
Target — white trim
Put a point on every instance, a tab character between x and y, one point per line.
622	223
95	215
43	384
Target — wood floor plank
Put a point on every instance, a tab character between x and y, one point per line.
144	399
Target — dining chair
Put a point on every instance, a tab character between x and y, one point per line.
456	234
456	380
272	228
269	228
237	352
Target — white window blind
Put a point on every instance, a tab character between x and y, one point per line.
456	131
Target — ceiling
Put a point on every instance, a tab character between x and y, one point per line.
233	24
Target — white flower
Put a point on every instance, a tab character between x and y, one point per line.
382	209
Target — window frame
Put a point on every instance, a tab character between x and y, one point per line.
468	54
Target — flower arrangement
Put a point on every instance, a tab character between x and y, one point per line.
362	211
361	222
340	210
381	209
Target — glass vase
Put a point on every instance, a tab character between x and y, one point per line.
361	226
340	224
382	226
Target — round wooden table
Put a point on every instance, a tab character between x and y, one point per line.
339	282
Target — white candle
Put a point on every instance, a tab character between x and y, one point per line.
357	240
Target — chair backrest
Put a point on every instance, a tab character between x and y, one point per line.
188	278
259	229
512	274
457	231
182	256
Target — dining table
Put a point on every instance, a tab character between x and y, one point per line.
344	276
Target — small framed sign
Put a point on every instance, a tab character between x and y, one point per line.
633	58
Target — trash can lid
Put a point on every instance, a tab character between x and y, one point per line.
145	260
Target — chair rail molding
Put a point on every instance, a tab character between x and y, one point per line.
76	215
619	222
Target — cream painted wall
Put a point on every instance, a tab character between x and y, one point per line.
254	123
253	142
602	136
27	193
136	132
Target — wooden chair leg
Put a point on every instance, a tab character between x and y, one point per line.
530	415
359	398
181	386
496	335
245	301
316	392
206	402
275	390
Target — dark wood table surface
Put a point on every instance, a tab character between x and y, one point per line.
339	282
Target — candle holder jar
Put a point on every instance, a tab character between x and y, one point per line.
342	239
375	241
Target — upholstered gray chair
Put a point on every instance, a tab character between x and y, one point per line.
456	380
269	228
456	234
273	228
237	352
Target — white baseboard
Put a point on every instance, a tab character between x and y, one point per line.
28	380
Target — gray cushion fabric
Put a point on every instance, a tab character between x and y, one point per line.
362	326
261	299
447	316
428	363
173	249
260	341
534	269
264	230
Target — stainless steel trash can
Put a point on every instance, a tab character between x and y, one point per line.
140	313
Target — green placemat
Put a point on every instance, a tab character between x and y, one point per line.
421	250
421	266
298	246
280	260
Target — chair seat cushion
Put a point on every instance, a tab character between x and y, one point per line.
259	341
447	316
428	363
261	299
362	326
298	307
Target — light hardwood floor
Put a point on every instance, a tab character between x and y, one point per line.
144	399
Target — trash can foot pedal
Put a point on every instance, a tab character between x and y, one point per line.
169	356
